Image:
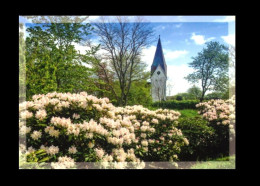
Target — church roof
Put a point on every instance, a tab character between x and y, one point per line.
159	59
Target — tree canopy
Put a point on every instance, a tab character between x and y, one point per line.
211	68
52	61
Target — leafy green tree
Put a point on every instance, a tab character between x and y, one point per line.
183	96
195	92
211	68
217	95
53	63
140	93
213	95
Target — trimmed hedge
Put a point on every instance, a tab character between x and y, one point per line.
175	104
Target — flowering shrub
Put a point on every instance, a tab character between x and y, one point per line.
71	128
219	112
221	116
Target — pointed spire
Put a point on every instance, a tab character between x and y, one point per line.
159	59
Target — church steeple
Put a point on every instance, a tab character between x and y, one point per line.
159	59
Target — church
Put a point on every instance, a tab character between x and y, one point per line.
158	75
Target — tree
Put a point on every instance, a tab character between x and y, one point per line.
195	92
211	67
139	93
123	42
53	63
169	86
184	96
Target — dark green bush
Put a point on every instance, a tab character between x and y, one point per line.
175	104
205	140
220	147
179	98
200	136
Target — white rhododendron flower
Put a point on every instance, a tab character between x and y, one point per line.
36	135
52	150
76	116
100	153
155	121
144	143
40	114
24	130
73	150
26	114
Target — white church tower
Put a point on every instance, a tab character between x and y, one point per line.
158	74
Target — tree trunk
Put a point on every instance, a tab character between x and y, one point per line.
202	96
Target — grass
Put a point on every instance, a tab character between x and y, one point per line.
188	113
184	112
219	163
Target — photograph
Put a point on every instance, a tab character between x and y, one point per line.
127	92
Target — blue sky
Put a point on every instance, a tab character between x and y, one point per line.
182	37
189	37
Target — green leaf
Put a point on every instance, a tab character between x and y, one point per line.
39	151
44	159
42	125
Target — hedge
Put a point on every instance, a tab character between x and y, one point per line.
175	104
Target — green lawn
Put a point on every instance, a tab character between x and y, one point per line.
219	163
189	113
184	112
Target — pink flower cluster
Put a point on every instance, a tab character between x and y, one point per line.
218	110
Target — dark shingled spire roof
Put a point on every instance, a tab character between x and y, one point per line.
159	59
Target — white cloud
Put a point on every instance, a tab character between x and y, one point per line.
169	55
82	49
200	39
226	19
229	39
176	76
148	55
